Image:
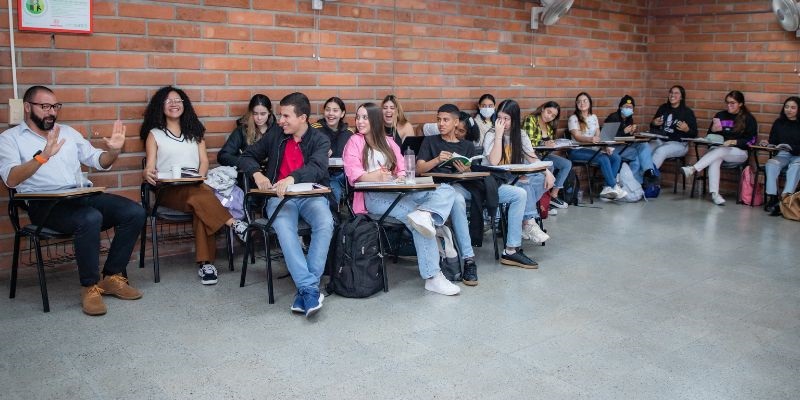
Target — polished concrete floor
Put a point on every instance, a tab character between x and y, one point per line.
671	299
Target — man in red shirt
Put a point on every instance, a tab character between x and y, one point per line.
296	155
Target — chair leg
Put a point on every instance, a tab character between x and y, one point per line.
40	272
494	237
247	249
154	245
270	292
14	266
142	244
229	247
589	184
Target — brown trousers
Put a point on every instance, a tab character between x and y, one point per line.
208	216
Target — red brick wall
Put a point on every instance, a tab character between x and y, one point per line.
427	52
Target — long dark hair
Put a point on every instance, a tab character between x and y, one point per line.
740	122
796	101
191	127
683	95
376	137
511	108
339	103
554	123
473	132
577	112
251	134
480	100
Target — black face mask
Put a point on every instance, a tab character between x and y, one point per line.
45	123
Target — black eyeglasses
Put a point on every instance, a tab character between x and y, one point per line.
47	106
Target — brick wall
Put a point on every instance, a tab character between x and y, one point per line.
425	51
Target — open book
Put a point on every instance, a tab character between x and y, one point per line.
782	146
304	187
458	157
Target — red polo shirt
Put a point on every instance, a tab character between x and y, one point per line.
292	159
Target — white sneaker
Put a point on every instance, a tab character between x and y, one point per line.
552	212
422	222
608	193
535	233
209	274
621	193
439	284
688	171
717	199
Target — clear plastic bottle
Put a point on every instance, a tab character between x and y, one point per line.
411	166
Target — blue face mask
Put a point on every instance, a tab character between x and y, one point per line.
626	112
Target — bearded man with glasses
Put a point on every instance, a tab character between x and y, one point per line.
39	155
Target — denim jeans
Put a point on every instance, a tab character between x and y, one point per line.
609	164
305	269
534	187
438	202
516	198
338	180
458	218
561	166
773	168
85	218
640	158
663	150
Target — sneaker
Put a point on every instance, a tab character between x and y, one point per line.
534	233
518	259
621	193
298	306
608	193
552	212
92	300
558	203
422	222
717	199
312	299
240	229
117	286
439	284
688	171
470	275
209	274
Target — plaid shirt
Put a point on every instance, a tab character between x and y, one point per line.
535	134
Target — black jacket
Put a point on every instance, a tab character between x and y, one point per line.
338	138
623	122
236	143
314	146
743	138
788	132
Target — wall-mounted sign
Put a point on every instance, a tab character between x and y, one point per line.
55	15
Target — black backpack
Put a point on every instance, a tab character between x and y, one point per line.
357	269
570	191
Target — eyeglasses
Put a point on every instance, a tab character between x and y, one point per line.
47	106
173	101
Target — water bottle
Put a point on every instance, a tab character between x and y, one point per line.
411	166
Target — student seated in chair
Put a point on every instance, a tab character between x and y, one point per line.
438	149
639	155
297	154
39	155
173	138
372	156
334	126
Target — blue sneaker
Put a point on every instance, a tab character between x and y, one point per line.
298	306
312	299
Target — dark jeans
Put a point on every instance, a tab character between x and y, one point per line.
85	218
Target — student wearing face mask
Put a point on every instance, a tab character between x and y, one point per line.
638	155
541	126
485	117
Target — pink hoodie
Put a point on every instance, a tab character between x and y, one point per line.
353	168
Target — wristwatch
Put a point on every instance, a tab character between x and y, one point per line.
40	158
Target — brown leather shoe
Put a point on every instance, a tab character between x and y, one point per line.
117	285
92	300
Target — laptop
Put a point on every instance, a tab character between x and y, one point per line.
609	131
413	143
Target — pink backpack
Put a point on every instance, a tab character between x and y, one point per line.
748	186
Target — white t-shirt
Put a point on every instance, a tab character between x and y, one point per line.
592	125
375	161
